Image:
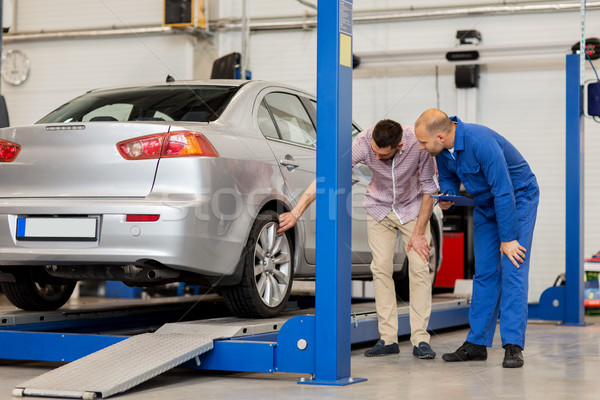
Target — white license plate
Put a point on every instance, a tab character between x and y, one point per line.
57	228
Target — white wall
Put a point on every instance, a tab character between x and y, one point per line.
524	101
65	15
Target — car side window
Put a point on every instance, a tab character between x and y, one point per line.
355	129
313	103
265	122
292	120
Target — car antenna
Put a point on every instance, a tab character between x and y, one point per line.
170	78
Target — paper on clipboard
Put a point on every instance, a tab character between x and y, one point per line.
457	200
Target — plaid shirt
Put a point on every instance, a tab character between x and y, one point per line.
398	183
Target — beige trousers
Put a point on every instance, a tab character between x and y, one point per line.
382	240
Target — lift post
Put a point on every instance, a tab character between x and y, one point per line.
574	305
334	164
565	303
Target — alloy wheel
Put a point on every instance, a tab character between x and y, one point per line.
272	265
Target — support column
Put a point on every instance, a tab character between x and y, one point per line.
334	170
574	306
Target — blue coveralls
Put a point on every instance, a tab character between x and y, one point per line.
506	198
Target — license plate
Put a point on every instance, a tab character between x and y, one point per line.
57	228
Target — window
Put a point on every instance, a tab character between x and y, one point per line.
109	112
162	116
292	120
313	103
355	129
265	122
155	103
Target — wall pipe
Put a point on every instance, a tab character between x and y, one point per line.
394	15
99	33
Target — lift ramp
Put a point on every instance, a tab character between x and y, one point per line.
132	361
127	362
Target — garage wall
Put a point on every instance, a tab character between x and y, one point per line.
64	15
62	69
523	100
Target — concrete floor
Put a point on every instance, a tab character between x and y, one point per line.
561	362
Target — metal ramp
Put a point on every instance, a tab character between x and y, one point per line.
132	361
104	365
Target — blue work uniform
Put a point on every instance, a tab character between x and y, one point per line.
506	199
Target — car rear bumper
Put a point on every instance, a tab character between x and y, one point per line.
183	238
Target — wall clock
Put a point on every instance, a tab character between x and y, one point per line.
15	67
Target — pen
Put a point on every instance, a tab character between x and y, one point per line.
437	200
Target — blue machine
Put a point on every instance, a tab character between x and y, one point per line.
593	99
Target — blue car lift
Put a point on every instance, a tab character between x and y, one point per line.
319	344
565	303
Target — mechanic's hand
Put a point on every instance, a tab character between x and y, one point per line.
444	205
286	221
421	246
514	251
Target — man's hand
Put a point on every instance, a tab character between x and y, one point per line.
421	246
444	205
286	221
514	251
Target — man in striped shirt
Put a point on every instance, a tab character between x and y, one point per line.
397	199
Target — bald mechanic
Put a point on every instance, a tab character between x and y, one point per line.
397	199
506	196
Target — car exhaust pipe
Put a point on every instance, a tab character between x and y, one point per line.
154	274
133	274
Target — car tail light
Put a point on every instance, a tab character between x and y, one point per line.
8	151
173	144
141	148
186	143
142	217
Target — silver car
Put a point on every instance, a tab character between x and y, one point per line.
181	181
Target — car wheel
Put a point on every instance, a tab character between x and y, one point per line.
402	282
267	271
31	292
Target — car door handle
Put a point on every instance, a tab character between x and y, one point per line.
290	165
354	180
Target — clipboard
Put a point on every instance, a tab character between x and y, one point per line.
457	200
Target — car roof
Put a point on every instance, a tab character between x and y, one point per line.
255	84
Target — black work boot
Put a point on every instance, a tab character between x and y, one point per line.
467	352
513	358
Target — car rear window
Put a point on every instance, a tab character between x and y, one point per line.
158	103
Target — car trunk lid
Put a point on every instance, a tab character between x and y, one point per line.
77	160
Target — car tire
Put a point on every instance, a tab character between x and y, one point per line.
267	262
402	280
31	292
